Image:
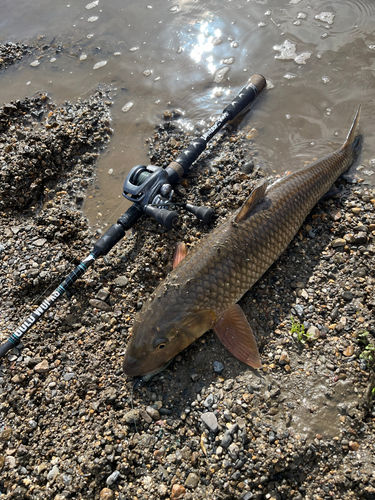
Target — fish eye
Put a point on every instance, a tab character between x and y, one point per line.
160	344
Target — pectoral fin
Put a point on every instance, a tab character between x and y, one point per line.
180	253
235	333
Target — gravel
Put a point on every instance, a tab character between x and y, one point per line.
73	426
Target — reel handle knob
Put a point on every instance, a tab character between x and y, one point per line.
205	214
167	218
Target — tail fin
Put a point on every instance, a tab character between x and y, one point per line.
353	132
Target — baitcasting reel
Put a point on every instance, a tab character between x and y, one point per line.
149	187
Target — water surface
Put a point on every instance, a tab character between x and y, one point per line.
319	58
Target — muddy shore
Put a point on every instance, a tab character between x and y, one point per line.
73	426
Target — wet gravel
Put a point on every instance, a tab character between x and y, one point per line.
73	426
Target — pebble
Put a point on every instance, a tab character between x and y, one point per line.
346	295
218	367
106	494
42	367
153	412
178	491
226	440
210	420
99	304
121	281
53	473
132	417
192	481
110	481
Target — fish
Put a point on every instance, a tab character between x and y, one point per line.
202	291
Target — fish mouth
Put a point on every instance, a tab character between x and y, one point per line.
132	368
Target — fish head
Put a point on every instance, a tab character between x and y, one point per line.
160	333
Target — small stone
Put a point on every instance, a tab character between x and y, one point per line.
102	294
228	384
192	480
112	478
178	491
338	242
209	401
218	367
347	295
132	417
349	351
52	473
360	238
210	420
284	358
153	412
42	367
121	281
162	490
227	439
271	437
233	451
299	310
39	242
106	494
6	435
69	376
335	216
99	304
313	332
353	445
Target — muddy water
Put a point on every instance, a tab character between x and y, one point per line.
194	55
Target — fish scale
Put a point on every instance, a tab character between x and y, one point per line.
227	263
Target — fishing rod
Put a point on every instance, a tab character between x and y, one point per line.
150	188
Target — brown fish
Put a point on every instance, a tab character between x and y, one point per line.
202	290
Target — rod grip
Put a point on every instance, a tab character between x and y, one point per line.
246	95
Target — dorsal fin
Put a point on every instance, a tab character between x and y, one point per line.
256	196
180	253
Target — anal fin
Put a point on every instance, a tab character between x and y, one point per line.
235	333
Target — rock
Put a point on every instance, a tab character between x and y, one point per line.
284	358
226	440
153	412
132	417
338	242
360	238
99	304
346	295
6	435
228	384
121	281
218	367
103	294
192	481
353	445
209	401
299	310
42	367
112	478
210	420
349	351
178	491
313	332
53	473
233	451
106	494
